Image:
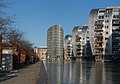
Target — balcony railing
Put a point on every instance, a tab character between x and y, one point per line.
115	34
98	40
78	49
98	46
98	23
98	52
116	40
99	34
116	28
116	46
116	23
78	45
69	46
98	29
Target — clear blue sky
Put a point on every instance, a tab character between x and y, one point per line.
34	17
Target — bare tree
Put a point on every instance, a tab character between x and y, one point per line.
4	23
14	36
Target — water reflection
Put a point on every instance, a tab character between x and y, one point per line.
69	72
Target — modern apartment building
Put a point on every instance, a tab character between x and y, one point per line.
55	43
80	42
68	47
104	32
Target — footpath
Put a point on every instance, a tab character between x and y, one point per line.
32	74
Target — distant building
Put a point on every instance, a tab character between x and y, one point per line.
68	47
42	53
104	32
55	35
80	42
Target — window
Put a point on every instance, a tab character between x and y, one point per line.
102	11
106	27
101	17
106	15
106	38
115	16
3	58
106	32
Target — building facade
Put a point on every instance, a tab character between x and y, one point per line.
104	32
80	42
55	43
42	53
68	47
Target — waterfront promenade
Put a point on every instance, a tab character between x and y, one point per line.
28	75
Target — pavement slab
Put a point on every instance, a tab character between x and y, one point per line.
27	75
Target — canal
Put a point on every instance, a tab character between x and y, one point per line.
84	72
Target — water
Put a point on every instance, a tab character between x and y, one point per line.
82	72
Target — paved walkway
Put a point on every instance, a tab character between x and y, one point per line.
30	75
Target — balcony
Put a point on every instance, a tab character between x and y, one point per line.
78	53
78	49
78	45
116	40
69	53
78	38
99	34
115	34
98	46
116	16
98	52
99	23
116	52
69	50
115	23
115	46
98	29
99	40
116	28
69	45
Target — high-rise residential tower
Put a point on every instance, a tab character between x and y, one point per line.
104	32
55	43
68	47
80	42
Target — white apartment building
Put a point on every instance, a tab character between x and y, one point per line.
68	47
80	42
104	32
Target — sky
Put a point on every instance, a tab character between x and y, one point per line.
34	17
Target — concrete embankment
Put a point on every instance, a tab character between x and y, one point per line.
43	77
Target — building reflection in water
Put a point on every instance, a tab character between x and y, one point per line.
82	72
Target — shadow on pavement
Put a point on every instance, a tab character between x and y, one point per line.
7	76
